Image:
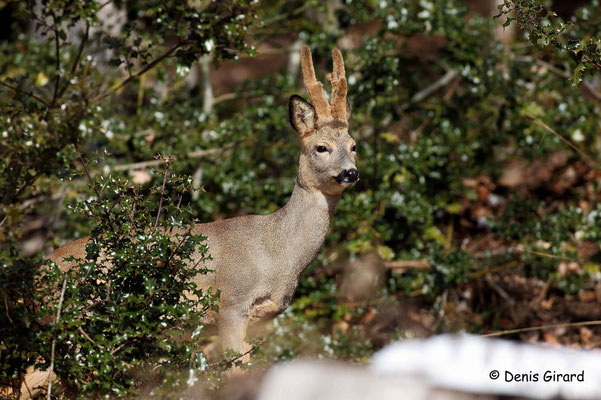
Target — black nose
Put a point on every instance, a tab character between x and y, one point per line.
352	175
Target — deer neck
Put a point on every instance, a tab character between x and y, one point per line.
303	224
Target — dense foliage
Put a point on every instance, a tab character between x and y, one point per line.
477	157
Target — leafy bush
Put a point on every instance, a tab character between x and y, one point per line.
129	311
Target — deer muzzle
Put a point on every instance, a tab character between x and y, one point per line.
348	176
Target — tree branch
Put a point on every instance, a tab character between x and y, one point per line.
538	328
106	3
58	60
137	75
156	222
58	316
588	159
429	90
75	64
33	96
193	154
85	167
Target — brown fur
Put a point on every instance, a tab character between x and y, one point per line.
258	259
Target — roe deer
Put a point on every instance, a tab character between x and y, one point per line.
258	259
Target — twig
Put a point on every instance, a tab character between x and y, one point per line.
32	179
428	91
89	338
94	304
564	74
184	238
33	96
224	97
75	64
102	6
538	328
108	291
498	289
292	13
140	73
133	210
138	165
181	197
58	316
6	308
156	222
587	158
85	167
407	264
208	98
543	254
58	60
179	203
193	154
118	348
518	249
543	293
482	272
561	73
231	360
209	152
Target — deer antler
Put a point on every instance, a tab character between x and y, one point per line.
338	82
325	111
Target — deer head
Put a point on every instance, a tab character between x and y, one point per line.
327	161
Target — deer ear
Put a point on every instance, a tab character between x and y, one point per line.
302	115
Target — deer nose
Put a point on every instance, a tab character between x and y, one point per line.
352	175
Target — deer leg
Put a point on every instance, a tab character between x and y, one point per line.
232	330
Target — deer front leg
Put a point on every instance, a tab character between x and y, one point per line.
232	331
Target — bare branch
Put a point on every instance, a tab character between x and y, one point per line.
138	165
85	167
588	159
138	74
564	74
542	327
230	361
106	3
208	97
401	266
89	338
156	222
193	154
75	64
58	60
33	96
432	88
209	152
182	241
58	316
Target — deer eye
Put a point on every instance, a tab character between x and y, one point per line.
354	148
321	149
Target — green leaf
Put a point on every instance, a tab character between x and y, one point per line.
577	74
